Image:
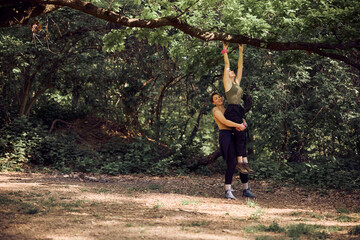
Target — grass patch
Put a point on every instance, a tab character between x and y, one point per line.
255	216
196	224
311	231
355	230
356	210
63	198
344	218
158	205
274	227
343	210
94	203
252	203
328	215
5	200
17	194
154	187
27	208
102	190
130	190
51	202
235	218
295	213
19	205
254	229
317	216
189	202
299	229
69	206
302	220
32	210
267	238
334	229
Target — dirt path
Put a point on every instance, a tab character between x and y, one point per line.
77	207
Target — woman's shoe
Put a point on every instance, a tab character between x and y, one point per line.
247	167
241	168
248	193
229	195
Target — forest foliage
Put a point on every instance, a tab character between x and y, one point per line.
82	94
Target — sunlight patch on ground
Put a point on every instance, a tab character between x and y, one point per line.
17	186
87	211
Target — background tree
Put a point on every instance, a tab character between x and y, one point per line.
134	94
273	25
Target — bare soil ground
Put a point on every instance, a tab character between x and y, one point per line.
79	207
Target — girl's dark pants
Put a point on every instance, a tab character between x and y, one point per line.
236	113
228	152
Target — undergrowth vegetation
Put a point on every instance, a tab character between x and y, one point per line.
25	143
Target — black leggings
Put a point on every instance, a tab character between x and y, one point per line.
236	113
227	149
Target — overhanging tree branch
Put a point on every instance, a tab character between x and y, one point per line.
321	49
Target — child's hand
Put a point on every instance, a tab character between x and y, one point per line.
245	123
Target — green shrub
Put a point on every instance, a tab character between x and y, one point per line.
267	238
322	172
62	152
125	157
300	229
51	109
18	140
355	230
344	218
274	227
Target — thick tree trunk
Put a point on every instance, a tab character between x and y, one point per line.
24	95
159	108
34	99
195	163
195	129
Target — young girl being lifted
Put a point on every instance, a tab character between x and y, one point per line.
235	110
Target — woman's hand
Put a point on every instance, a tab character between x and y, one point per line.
241	128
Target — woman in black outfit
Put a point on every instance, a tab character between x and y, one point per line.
227	146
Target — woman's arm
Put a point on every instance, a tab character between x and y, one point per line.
221	118
240	65
226	79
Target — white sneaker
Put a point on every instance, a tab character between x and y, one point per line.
229	195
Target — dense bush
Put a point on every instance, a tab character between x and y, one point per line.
18	140
325	172
50	110
24	142
64	153
124	157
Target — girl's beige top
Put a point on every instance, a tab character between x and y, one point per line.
234	95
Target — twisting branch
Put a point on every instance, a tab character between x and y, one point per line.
318	48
